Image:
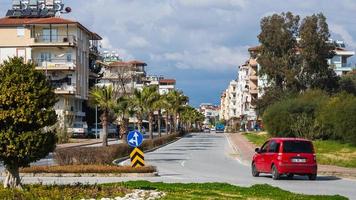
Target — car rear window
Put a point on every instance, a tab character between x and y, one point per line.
297	147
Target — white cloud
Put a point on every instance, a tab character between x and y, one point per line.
137	42
213	3
345	35
105	43
217	58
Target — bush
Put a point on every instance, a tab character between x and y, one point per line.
104	155
88	169
314	115
295	117
338	118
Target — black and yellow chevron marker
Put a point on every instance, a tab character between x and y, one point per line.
137	158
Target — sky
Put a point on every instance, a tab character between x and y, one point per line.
198	42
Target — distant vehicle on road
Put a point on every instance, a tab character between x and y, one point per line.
206	130
79	129
285	156
112	130
213	129
220	128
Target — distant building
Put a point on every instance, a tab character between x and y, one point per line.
228	102
339	61
125	76
211	113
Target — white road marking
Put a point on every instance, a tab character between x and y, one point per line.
182	163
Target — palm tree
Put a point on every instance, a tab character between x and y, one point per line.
167	107
105	99
124	110
151	96
176	100
138	103
160	104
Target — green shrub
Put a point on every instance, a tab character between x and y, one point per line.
104	155
295	117
338	118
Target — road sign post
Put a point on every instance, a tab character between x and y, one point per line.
135	139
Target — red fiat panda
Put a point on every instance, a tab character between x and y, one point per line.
285	156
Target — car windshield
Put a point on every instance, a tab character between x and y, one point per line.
297	147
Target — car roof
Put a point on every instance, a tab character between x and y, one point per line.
290	139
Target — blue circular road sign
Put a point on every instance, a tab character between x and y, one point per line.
134	139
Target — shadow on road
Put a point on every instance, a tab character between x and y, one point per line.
303	178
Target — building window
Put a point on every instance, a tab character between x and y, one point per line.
20	31
46	56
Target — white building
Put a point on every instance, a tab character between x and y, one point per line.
211	113
339	62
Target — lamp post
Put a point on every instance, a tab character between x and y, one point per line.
96	114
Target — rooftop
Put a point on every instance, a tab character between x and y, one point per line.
8	22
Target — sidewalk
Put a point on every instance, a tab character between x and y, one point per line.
81	142
246	150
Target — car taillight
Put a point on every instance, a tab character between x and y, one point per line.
314	156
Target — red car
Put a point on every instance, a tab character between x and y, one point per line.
285	156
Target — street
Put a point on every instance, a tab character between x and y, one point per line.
204	157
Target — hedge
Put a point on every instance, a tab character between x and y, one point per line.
104	155
313	115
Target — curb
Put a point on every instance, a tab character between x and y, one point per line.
82	145
88	174
119	160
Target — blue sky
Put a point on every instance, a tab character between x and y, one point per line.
198	42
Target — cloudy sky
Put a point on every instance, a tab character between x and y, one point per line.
198	42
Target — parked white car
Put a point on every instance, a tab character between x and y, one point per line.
78	129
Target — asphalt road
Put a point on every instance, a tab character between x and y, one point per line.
209	158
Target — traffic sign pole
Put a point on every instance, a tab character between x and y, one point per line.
135	139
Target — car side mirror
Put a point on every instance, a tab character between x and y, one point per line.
257	150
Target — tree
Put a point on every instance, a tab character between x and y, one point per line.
26	109
315	49
176	100
124	110
138	103
160	104
151	97
348	83
278	53
105	98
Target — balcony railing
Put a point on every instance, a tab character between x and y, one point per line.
63	88
71	39
55	64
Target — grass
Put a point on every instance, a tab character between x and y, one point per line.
88	169
221	191
173	192
328	152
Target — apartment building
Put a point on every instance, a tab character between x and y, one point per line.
58	47
126	76
211	113
228	101
164	85
340	61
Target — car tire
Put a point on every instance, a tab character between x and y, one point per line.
312	177
275	173
255	173
290	176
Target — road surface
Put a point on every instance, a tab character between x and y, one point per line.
204	157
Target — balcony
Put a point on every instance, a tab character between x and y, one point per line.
55	40
64	88
55	65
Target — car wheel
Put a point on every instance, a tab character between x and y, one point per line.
312	177
255	173
275	173
290	176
